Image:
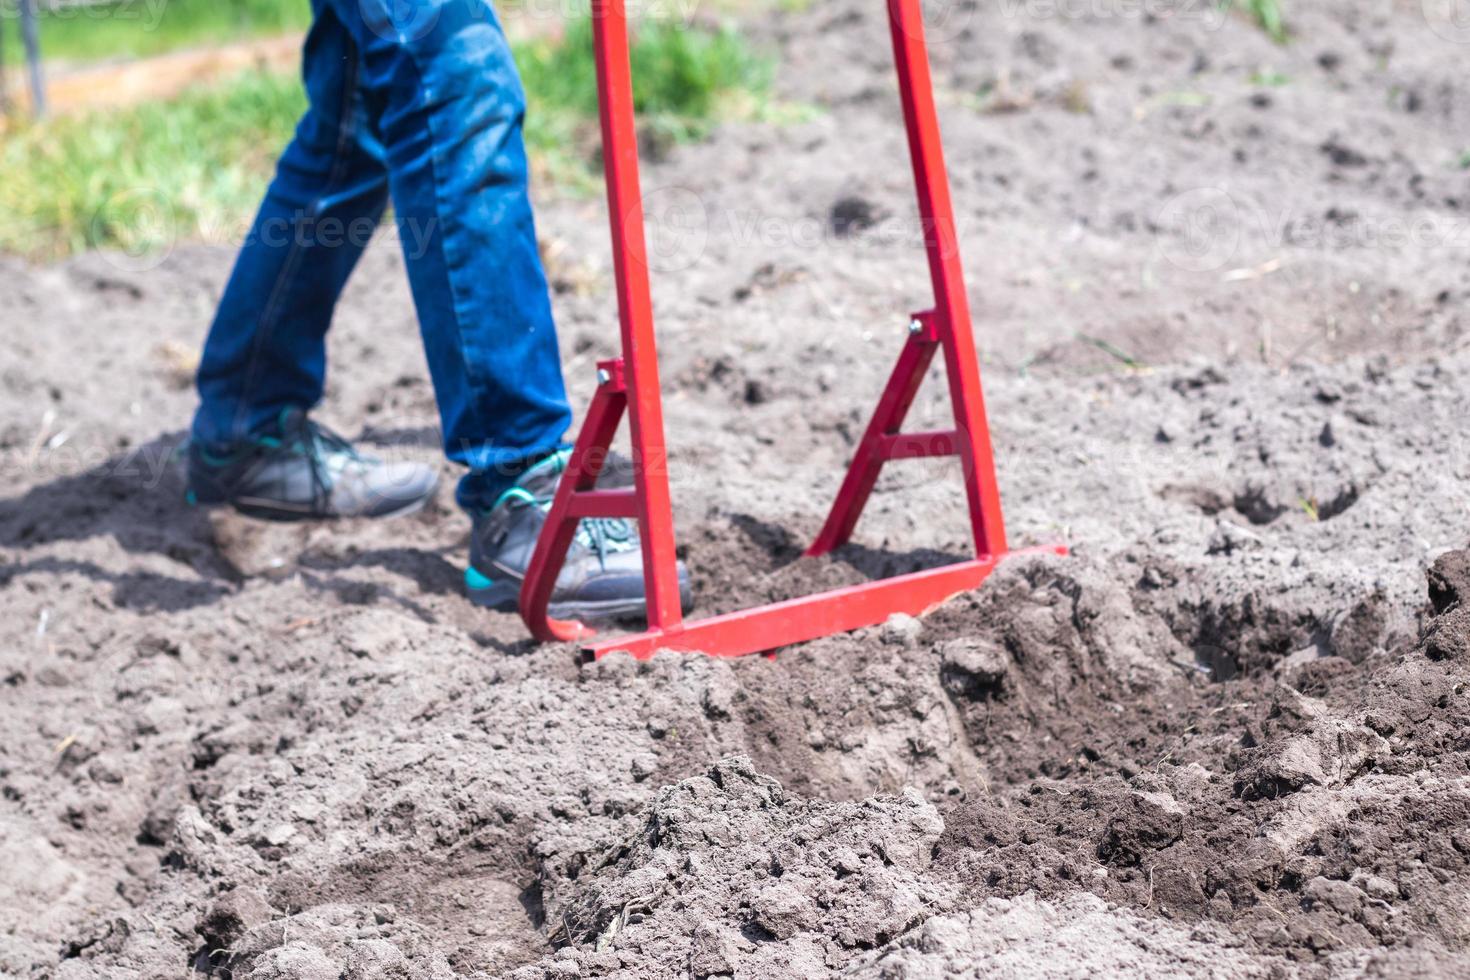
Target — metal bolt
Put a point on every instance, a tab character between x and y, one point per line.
916	326
603	376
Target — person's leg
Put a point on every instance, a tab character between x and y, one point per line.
448	103
266	350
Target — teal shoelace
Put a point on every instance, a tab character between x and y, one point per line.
601	535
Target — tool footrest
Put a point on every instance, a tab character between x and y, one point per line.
794	621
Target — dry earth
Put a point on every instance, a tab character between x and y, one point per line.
1219	284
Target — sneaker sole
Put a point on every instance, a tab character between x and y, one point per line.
506	597
280	515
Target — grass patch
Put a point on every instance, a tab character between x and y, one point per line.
142	28
195	167
684	80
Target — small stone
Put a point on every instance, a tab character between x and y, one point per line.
1328	893
1379	888
1229	538
712	952
1449	580
901	630
232	915
51	676
1362	629
718	699
105	769
783	911
307	811
278	835
298	960
845	860
973	668
1148	821
643	765
1220	906
1448	638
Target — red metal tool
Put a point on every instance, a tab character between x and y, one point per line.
629	385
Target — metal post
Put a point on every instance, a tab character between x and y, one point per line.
4	92
32	40
941	241
635	308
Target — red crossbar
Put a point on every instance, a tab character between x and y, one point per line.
919	445
629	385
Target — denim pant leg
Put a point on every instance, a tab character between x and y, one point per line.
266	348
448	105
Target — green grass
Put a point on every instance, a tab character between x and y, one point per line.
1268	78
140	28
195	167
683	81
134	179
678	73
1268	16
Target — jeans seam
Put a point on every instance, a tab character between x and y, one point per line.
345	128
436	162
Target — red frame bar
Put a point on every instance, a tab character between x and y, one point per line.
764	628
893	406
920	445
629	385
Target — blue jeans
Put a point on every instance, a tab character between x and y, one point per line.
417	101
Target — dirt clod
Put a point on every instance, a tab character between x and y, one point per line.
1449	580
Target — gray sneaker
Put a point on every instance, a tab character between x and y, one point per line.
603	575
303	471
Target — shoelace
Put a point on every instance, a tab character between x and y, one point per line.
320	446
601	535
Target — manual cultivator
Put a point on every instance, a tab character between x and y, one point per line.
629	386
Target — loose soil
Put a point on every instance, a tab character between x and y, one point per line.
1217	286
